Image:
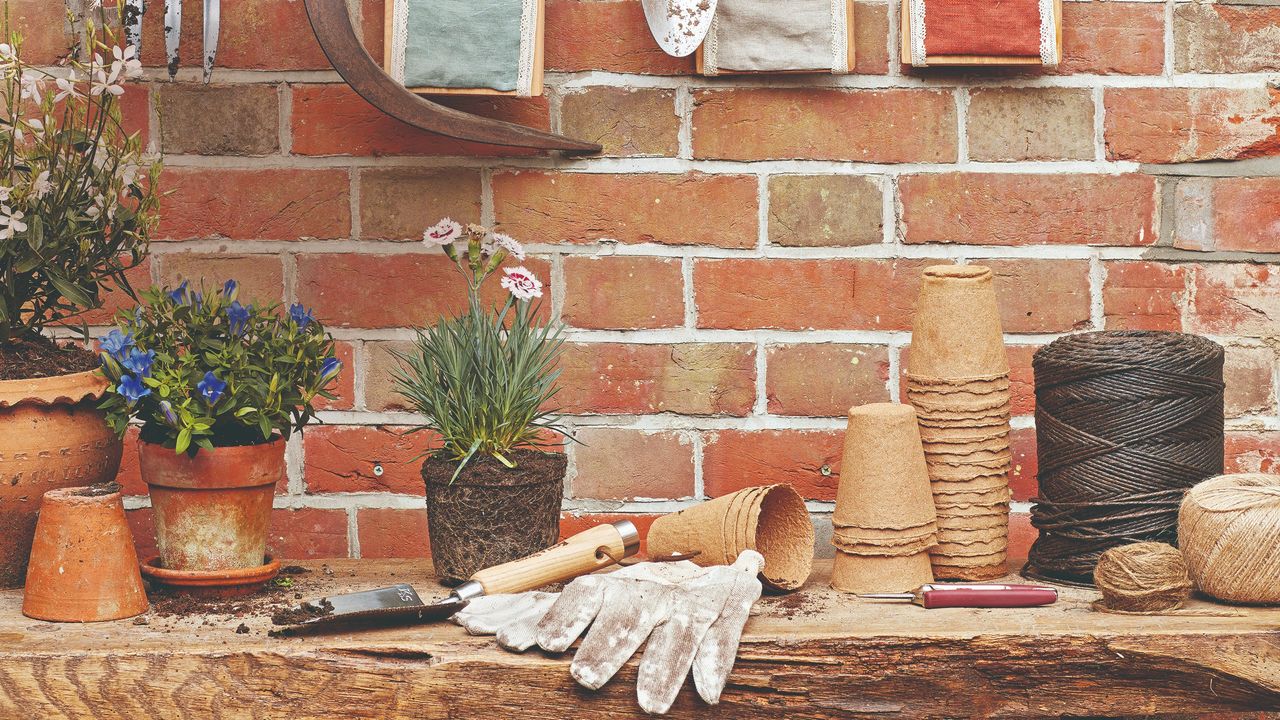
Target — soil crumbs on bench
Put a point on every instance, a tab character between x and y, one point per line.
285	591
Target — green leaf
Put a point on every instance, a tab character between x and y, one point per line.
184	441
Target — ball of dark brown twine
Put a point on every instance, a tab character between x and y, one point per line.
1126	423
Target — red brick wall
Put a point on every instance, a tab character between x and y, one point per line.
740	266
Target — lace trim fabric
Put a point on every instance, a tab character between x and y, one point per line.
918	55
399	38
839	37
1048	34
711	48
528	41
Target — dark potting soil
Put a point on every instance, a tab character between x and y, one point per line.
302	613
284	591
38	357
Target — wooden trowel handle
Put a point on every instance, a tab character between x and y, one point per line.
580	554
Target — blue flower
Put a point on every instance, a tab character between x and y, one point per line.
237	317
180	294
300	315
330	368
139	362
211	388
132	389
116	343
169	414
229	289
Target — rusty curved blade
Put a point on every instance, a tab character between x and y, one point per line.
679	26
212	25
172	34
132	21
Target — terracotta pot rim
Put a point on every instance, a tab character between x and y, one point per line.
224	468
69	389
275	438
235	577
73	496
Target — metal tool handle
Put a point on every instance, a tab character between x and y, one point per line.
586	552
986	596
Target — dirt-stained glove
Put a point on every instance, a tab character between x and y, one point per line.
691	616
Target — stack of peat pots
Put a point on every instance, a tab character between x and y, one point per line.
959	386
884	522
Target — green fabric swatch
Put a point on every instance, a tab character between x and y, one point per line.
463	43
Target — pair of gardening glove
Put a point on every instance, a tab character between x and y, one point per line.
691	616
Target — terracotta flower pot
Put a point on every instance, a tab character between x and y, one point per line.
212	510
83	565
51	436
492	514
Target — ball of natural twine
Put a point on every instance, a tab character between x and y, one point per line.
1229	532
1142	577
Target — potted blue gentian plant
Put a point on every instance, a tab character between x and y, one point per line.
484	379
218	386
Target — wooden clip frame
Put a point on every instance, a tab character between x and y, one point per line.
955	60
849	12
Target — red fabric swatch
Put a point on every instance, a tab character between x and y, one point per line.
982	27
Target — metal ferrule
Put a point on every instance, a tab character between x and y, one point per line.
630	537
467	591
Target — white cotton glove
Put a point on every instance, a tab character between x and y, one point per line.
691	616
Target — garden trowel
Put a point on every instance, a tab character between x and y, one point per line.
679	26
586	552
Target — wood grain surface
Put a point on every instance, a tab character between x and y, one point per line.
819	654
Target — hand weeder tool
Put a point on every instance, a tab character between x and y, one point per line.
173	34
973	596
586	552
132	21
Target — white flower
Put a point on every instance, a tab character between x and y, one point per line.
126	60
521	283
105	83
67	87
12	222
128	173
32	87
442	233
41	185
5	193
498	241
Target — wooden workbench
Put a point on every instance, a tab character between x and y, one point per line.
820	655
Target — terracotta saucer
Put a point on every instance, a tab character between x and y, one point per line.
212	583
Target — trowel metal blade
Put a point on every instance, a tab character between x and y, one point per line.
679	26
394	605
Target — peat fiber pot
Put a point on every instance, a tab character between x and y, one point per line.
212	509
491	514
52	436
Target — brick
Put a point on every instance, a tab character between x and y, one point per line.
143	527
1250	376
261	277
116	299
1021	535
572	523
607	35
1018	209
1039	296
1022	477
254	35
825	210
1172	125
1143	295
135	111
622	292
260	204
130	475
1225	39
1252	451
787	294
871	38
333	120
616	464
342	387
646	208
308	533
347	459
379	291
1030	124
821	379
878	126
393	533
379	383
626	121
1112	38
400	203
1227	214
1230	299
219	119
685	378
807	459
43	27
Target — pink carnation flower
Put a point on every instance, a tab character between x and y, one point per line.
521	283
498	241
442	233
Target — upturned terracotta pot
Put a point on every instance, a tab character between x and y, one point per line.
83	566
212	509
51	436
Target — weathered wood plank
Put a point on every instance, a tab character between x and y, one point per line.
832	656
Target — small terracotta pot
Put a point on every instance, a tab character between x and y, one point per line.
51	436
212	509
83	566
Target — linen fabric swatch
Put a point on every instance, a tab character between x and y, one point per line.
987	28
769	36
464	44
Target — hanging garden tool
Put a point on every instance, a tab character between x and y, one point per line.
173	34
679	25
132	21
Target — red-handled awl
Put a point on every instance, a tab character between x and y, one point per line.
974	596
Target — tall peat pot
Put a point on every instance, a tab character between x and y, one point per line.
212	509
51	436
492	514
